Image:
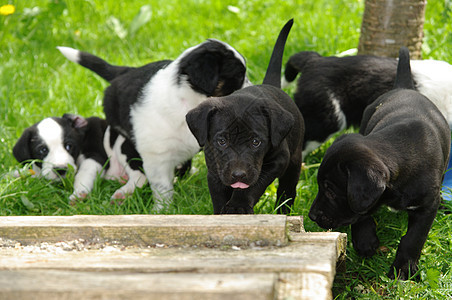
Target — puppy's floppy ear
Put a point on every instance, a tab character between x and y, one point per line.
21	149
203	71
77	121
198	120
365	185
281	122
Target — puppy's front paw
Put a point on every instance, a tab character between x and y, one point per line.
77	196
366	247
119	194
364	237
230	210
404	270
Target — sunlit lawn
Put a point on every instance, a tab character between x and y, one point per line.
37	82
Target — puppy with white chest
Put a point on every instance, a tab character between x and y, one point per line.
148	104
398	159
250	138
332	92
89	146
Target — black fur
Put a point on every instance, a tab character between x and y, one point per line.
250	138
398	159
355	81
209	65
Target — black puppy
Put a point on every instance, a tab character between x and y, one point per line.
250	138
398	159
332	92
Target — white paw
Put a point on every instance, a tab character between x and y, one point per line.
119	194
77	196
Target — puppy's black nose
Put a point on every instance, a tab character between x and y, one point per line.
238	175
60	171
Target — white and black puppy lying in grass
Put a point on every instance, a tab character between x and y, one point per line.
398	159
148	104
250	138
55	144
332	92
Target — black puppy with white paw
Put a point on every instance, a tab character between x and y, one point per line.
148	104
250	138
87	145
398	159
332	92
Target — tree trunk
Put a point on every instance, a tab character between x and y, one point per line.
389	24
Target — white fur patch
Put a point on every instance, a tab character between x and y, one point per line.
70	53
285	83
434	80
162	136
340	116
58	157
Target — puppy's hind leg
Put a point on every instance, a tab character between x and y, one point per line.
160	174
183	169
136	179
287	188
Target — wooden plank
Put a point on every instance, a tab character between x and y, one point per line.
310	256
338	238
166	257
303	286
295	223
146	230
51	284
45	284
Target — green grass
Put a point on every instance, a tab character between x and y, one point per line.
36	82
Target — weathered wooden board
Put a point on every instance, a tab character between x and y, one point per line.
307	256
37	284
166	257
149	229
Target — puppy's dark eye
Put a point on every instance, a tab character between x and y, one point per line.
256	143
222	142
68	146
43	150
329	192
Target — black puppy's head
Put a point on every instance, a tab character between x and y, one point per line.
237	133
213	68
54	143
351	180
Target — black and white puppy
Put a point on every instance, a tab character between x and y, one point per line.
250	138
148	104
398	159
332	92
88	145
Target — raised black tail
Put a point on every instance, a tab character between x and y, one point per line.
94	63
404	80
273	74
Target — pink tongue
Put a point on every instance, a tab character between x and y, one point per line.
239	185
